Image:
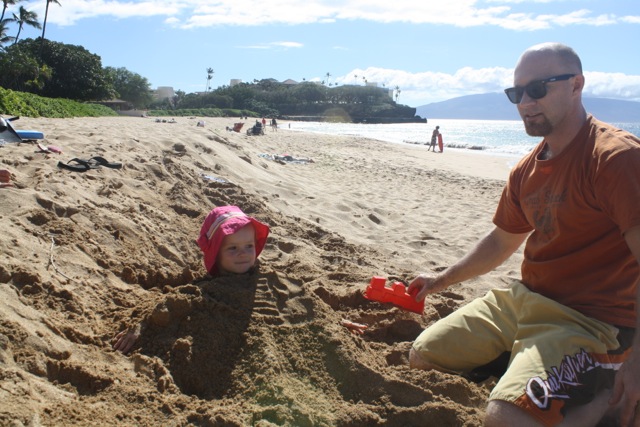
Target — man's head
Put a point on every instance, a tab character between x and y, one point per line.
230	240
548	88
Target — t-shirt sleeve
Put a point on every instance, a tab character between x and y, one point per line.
617	188
509	215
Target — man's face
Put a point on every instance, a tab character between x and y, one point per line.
541	116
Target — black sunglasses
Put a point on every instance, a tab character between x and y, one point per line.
536	89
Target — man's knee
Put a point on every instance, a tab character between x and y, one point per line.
417	362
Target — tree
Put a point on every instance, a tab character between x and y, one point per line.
4	38
178	97
397	92
44	24
76	73
130	86
20	71
328	75
209	77
25	17
5	4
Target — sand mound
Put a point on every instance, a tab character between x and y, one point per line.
85	255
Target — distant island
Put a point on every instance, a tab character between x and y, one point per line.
496	106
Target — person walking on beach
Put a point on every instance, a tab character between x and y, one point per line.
434	138
564	336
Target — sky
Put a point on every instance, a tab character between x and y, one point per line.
430	50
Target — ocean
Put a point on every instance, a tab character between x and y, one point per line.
495	137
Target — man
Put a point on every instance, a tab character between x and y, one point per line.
568	326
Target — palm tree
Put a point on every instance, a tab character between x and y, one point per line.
26	17
397	92
4	38
355	76
328	75
6	4
44	24
210	73
46	15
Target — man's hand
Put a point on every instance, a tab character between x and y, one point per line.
626	391
424	285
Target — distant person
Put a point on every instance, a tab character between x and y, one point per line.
231	242
274	124
434	138
562	341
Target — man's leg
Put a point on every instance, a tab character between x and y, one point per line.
471	337
500	413
562	367
416	362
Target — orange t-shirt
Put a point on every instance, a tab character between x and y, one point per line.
579	204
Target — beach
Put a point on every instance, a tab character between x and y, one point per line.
88	254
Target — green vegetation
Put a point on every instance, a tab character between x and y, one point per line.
203	112
306	100
27	104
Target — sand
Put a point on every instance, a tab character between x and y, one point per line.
85	255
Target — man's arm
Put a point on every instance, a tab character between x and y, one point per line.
491	251
626	389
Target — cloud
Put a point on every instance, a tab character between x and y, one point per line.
426	87
272	45
204	13
612	85
69	12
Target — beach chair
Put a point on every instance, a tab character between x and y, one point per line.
238	126
9	134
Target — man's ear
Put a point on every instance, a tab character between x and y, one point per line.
578	83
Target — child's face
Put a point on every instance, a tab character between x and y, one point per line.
238	251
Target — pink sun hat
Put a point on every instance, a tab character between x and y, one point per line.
223	221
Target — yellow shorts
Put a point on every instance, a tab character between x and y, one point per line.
555	357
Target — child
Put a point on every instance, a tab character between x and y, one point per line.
231	242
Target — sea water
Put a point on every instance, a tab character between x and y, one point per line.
495	137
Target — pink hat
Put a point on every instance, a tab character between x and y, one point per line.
223	221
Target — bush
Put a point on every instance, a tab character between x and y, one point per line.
27	104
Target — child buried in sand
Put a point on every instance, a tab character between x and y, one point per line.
231	242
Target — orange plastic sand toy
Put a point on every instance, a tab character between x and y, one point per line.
396	295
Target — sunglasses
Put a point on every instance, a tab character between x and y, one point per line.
537	89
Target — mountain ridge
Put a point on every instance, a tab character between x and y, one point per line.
496	106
